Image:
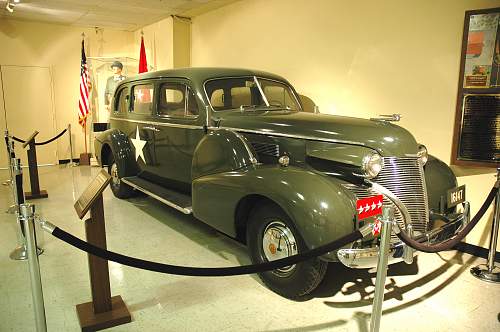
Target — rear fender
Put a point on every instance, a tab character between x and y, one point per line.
121	149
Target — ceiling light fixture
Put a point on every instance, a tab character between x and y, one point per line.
9	7
17	1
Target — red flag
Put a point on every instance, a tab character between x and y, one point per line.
143	63
84	103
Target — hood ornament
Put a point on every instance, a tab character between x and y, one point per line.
387	118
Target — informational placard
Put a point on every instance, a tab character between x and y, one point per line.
482	56
94	189
476	137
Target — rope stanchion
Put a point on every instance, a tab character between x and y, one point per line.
44	142
449	244
198	271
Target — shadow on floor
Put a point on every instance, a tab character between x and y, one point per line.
338	278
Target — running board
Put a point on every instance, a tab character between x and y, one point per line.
174	199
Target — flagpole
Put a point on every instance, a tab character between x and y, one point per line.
85	101
85	134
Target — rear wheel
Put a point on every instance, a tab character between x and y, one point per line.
270	236
119	189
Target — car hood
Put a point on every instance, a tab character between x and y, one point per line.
386	138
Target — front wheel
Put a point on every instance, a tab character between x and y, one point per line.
119	189
270	236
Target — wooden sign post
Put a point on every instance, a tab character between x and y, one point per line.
103	311
33	169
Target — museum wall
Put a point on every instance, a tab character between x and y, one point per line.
361	59
58	48
167	43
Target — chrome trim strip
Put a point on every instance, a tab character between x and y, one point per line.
269	133
161	124
426	197
185	210
253	160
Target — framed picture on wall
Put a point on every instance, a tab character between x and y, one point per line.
476	137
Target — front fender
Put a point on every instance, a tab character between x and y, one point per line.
439	178
121	149
321	209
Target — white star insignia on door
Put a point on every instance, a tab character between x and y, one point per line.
138	145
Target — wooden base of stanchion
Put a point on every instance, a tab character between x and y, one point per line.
90	321
85	159
42	194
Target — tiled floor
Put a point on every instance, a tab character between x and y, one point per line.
437	294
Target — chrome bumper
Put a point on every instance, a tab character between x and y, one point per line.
367	257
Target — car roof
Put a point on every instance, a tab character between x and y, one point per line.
201	74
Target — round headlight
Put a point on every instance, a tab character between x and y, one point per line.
422	154
372	165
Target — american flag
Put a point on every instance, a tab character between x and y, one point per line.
84	90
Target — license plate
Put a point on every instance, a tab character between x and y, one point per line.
455	196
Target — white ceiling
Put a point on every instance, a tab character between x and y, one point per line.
126	15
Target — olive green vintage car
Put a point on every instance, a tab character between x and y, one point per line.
234	148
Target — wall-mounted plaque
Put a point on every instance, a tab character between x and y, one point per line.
476	138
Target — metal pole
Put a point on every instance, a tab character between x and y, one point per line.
10	156
7	144
383	258
19	253
28	216
490	272
71	164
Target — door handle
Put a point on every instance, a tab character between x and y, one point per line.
151	128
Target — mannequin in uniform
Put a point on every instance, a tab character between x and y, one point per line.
112	82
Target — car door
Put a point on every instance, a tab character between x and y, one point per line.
139	129
177	133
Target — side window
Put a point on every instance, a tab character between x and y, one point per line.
142	98
176	99
121	103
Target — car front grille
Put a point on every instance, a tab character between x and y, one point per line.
404	177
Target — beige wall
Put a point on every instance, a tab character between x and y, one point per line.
158	41
58	47
356	58
167	43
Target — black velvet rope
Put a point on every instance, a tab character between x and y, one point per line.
199	271
450	243
44	142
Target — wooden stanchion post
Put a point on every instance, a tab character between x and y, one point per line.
103	311
35	192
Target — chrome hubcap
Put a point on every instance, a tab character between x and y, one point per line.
114	175
278	242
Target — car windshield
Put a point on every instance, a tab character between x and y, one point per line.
250	93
